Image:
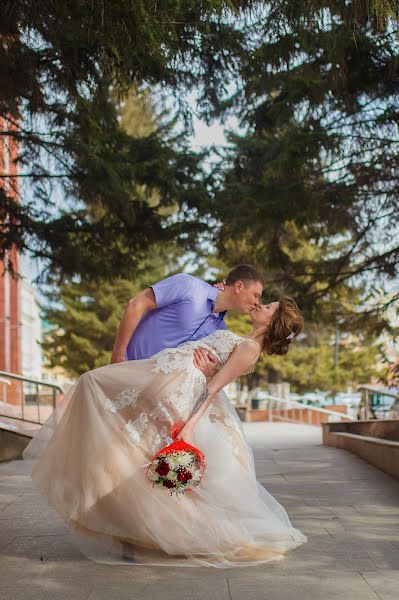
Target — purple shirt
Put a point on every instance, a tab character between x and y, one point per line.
184	312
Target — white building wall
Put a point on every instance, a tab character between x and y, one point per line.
31	332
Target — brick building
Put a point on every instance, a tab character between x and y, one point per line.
10	354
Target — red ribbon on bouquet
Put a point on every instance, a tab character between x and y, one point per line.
180	445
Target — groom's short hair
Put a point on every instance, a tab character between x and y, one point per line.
245	273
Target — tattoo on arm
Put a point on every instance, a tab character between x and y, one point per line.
203	397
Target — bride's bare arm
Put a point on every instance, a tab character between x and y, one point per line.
135	310
239	361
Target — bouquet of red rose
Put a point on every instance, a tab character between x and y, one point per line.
178	467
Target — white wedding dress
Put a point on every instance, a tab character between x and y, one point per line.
89	464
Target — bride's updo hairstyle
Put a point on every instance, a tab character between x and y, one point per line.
286	321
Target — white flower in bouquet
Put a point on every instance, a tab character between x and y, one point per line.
185	459
196	473
152	476
172	475
172	461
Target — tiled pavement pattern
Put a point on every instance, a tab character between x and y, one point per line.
348	509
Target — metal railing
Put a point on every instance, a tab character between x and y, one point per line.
283	409
27	399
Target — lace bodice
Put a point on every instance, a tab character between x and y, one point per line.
179	383
221	344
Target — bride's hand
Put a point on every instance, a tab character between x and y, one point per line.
205	362
220	285
186	434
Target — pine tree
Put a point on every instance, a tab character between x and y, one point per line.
310	363
82	313
317	162
61	66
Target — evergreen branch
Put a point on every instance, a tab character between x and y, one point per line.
44	146
34	175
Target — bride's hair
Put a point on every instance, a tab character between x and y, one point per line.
287	319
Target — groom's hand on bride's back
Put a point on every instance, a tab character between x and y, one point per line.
117	358
205	362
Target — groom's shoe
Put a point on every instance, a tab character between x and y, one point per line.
128	559
127	551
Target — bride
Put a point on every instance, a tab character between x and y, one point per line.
92	452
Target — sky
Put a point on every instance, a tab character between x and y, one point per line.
205	135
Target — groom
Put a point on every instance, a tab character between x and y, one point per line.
182	308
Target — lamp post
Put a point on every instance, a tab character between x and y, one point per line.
336	359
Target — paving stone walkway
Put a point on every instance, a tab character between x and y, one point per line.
348	509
